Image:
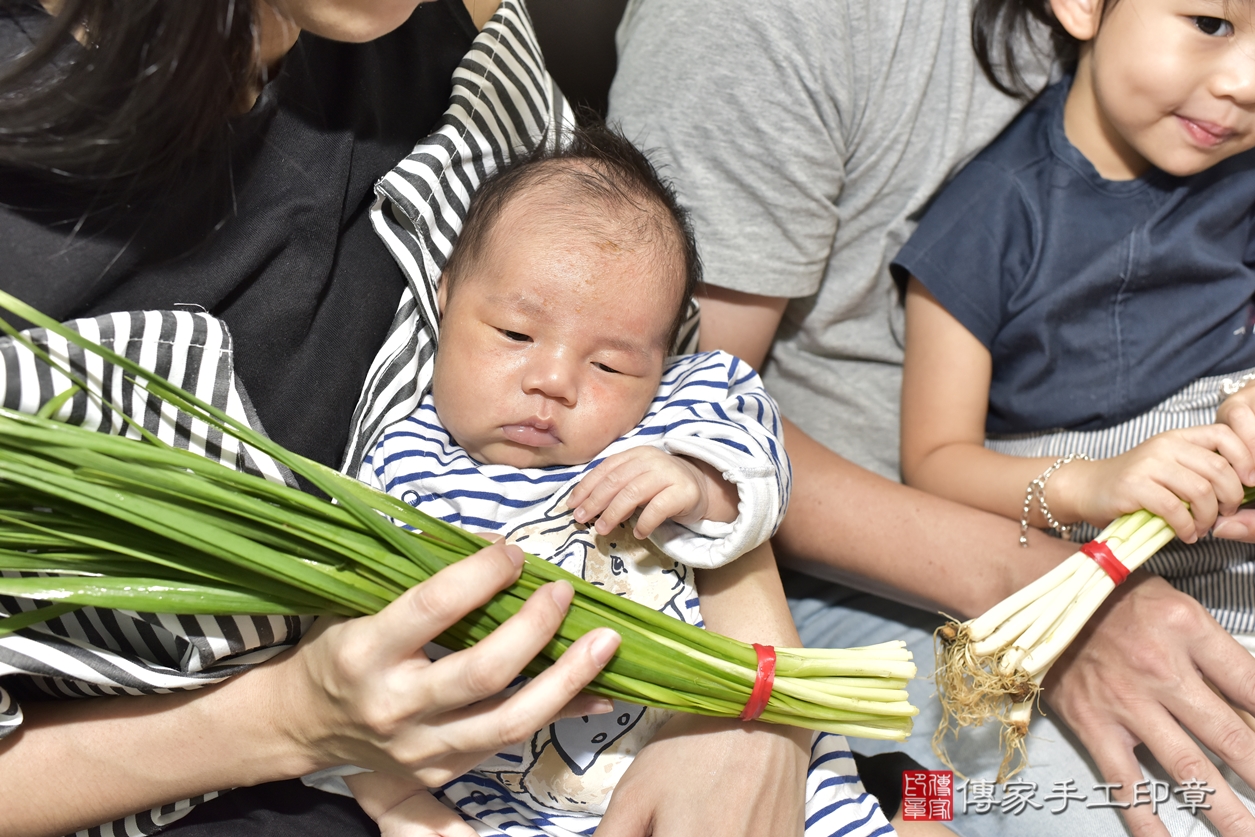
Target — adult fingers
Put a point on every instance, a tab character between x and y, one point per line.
1188	766
503	721
1111	747
492	663
424	612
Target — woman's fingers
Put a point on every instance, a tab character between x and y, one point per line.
490	725
496	660
425	611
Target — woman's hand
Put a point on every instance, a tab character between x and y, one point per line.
356	691
361	691
1140	672
1197	465
713	776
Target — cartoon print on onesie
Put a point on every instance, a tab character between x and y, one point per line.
576	762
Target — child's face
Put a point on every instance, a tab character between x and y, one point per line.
1171	83
552	346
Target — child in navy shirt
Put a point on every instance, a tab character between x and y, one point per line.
1079	298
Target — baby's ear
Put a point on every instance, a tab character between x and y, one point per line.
1080	18
442	294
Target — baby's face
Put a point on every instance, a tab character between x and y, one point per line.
552	346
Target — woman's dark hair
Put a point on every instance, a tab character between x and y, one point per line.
1003	31
614	174
152	84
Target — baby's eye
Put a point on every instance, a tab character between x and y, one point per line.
609	369
1213	25
515	336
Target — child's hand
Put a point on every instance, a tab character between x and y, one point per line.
1196	465
668	487
404	808
1238	413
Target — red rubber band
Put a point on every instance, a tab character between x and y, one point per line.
763	681
1105	558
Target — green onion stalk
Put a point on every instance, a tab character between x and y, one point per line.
93	519
992	667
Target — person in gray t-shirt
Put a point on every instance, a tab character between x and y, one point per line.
805	137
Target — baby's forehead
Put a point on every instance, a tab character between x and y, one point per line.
589	210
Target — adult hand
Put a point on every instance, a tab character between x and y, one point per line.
364	693
713	776
1139	673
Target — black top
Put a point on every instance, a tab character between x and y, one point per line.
273	236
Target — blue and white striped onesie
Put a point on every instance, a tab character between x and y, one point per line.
710	407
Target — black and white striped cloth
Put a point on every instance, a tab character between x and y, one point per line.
503	103
1220	574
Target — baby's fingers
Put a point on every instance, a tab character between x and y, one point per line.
671	502
641	491
603	486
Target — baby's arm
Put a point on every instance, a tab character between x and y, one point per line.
404	808
663	486
945	393
717	471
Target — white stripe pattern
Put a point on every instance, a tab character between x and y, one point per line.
1220	574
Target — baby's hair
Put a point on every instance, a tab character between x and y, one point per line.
601	167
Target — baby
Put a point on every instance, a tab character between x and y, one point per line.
557	421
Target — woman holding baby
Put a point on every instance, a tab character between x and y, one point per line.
242	227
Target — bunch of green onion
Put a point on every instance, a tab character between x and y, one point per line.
992	667
91	519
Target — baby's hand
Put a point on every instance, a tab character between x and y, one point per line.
667	487
1196	465
404	808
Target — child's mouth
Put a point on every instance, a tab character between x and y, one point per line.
534	434
1205	134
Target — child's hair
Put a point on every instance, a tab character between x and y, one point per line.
1003	31
609	172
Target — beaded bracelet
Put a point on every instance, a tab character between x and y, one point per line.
1037	488
1231	386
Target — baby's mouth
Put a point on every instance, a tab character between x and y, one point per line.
534	433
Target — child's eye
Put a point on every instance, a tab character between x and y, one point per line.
609	369
1213	25
515	336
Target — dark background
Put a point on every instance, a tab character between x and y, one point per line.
577	38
